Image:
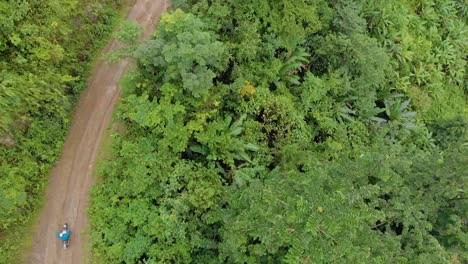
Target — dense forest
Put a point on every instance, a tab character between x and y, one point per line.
249	131
291	131
46	50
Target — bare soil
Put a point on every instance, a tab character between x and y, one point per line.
70	181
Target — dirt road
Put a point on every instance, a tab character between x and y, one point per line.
71	179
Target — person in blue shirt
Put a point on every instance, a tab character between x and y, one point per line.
64	235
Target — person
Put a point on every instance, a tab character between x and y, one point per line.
64	235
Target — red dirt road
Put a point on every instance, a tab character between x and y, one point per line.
71	179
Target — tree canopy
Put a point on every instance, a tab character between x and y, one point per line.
291	132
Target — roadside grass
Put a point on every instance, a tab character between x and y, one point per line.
18	240
104	155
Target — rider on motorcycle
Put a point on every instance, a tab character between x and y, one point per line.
64	235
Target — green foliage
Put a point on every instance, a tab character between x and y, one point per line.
292	64
159	208
129	32
294	220
220	141
183	53
292	132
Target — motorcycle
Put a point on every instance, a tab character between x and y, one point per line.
64	235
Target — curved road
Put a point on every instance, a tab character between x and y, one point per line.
71	179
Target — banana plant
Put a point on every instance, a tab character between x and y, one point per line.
344	113
292	64
246	173
224	140
396	110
